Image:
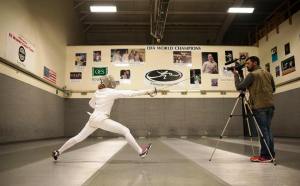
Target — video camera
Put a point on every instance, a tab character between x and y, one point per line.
239	64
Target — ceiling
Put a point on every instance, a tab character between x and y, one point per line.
181	22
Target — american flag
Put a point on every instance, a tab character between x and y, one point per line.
49	75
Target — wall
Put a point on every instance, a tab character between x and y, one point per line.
29	108
159	121
28	112
162	116
287	117
48	32
288	33
154	59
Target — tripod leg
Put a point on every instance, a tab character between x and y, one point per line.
261	134
221	136
248	125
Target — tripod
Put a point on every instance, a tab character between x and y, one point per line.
245	106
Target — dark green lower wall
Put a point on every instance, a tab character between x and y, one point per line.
29	113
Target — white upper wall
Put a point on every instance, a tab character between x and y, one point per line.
49	26
287	34
154	59
52	25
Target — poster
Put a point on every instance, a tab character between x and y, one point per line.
125	74
274	54
243	57
132	56
195	76
267	67
288	65
98	72
21	51
228	56
182	57
214	82
75	76
80	61
97	56
277	71
210	62
287	48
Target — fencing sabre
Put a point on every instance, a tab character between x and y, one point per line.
167	86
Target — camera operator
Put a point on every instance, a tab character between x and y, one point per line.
261	86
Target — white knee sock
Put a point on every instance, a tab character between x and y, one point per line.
130	139
71	142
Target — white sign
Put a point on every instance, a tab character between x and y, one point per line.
20	51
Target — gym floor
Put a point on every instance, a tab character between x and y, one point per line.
171	161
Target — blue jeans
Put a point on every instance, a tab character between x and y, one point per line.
263	117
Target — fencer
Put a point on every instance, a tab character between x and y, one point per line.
102	103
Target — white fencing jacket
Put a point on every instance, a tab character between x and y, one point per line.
103	100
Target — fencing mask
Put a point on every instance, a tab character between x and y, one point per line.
109	81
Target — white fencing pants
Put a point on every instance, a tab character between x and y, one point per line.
108	125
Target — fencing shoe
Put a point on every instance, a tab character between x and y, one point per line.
145	150
255	159
55	154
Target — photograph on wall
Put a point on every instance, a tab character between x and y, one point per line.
243	56
98	72
125	74
267	67
136	56
75	76
214	82
80	59
277	71
228	56
182	57
274	54
119	55
195	76
287	48
97	56
210	62
288	65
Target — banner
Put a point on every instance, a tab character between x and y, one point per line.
75	76
20	51
97	72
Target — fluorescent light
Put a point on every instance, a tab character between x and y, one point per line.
103	8
240	10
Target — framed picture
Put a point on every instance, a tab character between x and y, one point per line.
277	71
97	56
274	54
195	76
214	82
287	48
210	62
125	74
288	65
243	56
267	67
228	56
80	59
182	57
